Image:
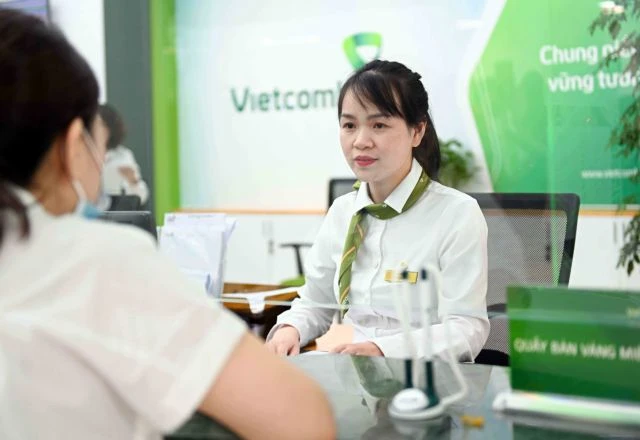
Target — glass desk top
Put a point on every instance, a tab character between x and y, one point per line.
360	397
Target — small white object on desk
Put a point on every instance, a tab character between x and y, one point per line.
256	300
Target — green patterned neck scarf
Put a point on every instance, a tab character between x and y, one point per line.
355	234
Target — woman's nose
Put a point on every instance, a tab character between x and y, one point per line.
362	140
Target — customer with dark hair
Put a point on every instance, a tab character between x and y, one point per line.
101	337
121	173
399	213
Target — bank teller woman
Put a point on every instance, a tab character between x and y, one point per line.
400	214
100	336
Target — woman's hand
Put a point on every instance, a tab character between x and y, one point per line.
129	174
361	349
285	341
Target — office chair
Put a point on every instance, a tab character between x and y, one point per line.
337	188
531	241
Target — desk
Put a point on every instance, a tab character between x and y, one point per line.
260	323
360	414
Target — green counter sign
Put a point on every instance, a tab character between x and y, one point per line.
576	342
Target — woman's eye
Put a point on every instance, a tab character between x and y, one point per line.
348	125
379	125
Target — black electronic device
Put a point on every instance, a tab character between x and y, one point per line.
141	219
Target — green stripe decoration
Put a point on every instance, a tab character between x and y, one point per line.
356	234
165	107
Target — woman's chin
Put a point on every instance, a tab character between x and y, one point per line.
363	175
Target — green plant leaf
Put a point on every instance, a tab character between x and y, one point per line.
457	166
614	29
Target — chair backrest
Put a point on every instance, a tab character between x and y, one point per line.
339	187
531	241
125	203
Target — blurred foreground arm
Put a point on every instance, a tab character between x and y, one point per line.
259	395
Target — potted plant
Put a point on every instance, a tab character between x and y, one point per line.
457	166
625	136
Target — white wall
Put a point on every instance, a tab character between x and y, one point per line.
598	242
82	21
238	154
254	254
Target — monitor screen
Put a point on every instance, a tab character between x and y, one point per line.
141	219
35	7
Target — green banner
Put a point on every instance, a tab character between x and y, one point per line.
577	342
543	108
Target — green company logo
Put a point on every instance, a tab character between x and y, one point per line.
277	99
353	42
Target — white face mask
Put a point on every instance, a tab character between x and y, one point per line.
84	207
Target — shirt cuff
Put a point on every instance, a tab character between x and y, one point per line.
298	324
467	338
391	346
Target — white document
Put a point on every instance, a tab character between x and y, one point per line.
197	244
212	220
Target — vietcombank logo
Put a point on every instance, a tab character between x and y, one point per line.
359	48
351	45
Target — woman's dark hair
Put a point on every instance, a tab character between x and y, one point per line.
44	85
397	91
114	123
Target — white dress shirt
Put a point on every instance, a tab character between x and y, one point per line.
101	337
114	183
445	228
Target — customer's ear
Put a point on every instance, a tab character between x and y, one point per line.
72	149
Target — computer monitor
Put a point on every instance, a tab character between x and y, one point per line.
125	203
141	219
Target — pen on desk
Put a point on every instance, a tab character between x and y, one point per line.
402	296
426	304
397	294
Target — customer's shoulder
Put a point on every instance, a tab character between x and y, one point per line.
99	237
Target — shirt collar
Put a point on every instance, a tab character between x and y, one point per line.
398	196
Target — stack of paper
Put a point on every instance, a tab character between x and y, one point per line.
197	243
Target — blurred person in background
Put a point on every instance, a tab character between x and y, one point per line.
121	172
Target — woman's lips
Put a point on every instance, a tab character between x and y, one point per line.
364	161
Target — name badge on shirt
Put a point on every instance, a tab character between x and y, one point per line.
392	276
